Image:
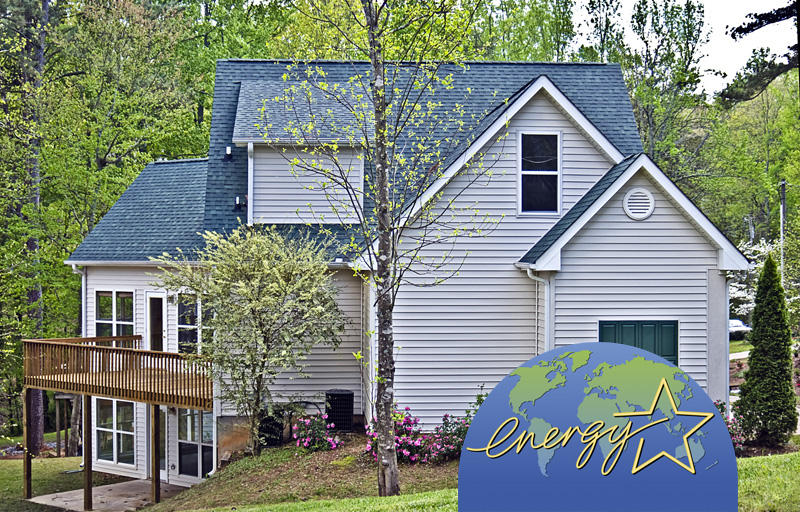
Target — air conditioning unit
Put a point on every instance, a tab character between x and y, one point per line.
339	408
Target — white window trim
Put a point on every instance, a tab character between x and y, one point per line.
197	442
198	326
114	431
114	322
558	173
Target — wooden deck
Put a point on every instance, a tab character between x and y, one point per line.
110	367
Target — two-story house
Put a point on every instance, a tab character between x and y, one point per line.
590	242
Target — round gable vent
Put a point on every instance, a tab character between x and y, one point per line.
638	203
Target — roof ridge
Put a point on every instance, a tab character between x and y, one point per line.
180	160
470	62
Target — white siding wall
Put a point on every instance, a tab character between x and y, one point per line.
329	368
616	268
485	321
136	280
281	196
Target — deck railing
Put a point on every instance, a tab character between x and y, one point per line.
106	367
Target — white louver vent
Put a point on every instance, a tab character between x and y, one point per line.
638	203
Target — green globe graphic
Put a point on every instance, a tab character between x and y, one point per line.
598	426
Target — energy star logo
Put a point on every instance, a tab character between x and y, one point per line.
598	427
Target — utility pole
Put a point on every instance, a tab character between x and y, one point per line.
782	187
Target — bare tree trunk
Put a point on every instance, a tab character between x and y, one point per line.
34	55
76	430
388	473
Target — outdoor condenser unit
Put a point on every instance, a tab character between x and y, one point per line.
339	408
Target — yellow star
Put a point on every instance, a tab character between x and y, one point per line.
705	415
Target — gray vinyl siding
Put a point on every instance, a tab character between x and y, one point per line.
136	280
616	268
329	368
482	323
281	196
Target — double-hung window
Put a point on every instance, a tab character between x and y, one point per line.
539	188
113	313
190	323
115	433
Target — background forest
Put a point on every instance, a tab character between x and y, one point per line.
93	90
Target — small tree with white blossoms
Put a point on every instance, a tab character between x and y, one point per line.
266	301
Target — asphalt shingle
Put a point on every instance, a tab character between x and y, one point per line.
160	211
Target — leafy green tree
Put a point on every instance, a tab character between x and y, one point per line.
540	30
663	77
605	32
767	400
267	300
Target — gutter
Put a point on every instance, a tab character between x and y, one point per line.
546	284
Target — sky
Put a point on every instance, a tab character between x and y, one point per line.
722	52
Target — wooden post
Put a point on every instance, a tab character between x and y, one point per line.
87	452
155	453
27	435
58	427
67	407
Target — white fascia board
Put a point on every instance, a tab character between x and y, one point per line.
729	257
111	263
540	84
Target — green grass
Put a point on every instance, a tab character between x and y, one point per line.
769	483
444	500
49	437
740	346
47	477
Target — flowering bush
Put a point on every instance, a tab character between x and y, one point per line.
408	440
413	446
733	423
312	433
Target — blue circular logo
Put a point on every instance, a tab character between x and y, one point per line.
598	427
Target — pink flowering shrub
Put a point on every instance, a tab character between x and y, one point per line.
413	446
733	423
312	433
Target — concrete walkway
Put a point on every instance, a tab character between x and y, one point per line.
122	497
740	355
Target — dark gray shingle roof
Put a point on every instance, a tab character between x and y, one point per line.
143	223
162	209
576	211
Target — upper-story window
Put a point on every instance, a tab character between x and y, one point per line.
190	323
539	188
113	313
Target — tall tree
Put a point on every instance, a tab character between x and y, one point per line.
762	68
540	30
605	32
766	404
403	116
663	76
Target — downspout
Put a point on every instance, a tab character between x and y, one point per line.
250	185
728	343
82	273
546	284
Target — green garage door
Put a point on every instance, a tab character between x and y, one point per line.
659	337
